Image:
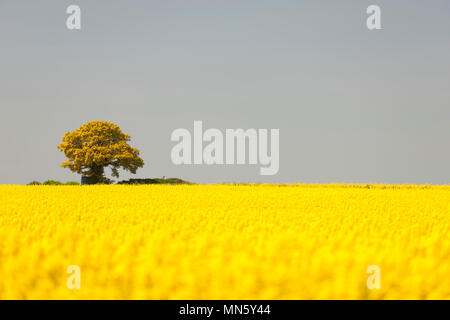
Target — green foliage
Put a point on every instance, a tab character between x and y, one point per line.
34	183
154	181
52	183
72	183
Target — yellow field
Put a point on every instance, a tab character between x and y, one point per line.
224	242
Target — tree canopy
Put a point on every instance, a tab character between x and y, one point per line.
97	145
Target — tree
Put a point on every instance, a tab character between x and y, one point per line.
97	145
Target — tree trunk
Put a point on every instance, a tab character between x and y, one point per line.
89	180
95	175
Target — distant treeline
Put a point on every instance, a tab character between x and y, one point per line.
154	181
53	183
130	181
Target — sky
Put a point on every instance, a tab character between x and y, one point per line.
351	105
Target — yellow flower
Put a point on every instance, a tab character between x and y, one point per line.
224	241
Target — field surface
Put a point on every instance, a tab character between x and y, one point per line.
225	241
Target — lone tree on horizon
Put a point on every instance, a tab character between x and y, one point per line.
97	145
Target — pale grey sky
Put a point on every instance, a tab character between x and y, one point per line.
352	105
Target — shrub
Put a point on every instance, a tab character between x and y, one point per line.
52	183
34	183
72	183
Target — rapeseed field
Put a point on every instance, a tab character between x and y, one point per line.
225	241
